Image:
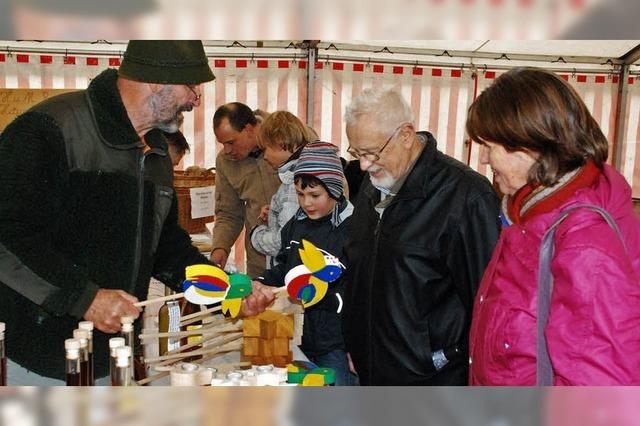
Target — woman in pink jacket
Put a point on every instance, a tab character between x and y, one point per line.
548	155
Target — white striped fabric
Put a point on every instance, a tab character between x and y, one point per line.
266	84
630	166
438	97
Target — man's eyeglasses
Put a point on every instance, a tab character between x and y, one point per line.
373	156
192	88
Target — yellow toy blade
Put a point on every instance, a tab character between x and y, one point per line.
232	306
312	258
210	270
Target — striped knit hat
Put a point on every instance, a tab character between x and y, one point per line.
321	160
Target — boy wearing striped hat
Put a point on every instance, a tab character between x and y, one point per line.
322	219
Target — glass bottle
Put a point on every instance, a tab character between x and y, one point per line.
168	321
122	376
114	344
83	337
88	326
127	334
3	358
72	348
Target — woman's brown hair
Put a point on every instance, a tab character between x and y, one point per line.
530	109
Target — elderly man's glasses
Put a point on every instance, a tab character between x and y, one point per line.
373	156
192	88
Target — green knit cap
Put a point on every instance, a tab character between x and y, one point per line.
166	62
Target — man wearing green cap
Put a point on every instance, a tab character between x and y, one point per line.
87	208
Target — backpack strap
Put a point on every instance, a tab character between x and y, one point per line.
544	374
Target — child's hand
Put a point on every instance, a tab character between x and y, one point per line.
264	213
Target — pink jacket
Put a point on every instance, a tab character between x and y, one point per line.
593	333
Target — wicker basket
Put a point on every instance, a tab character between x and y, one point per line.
183	184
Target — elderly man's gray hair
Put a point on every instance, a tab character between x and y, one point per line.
386	107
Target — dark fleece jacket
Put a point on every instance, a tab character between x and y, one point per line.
72	178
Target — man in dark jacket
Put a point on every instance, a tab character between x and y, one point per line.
87	209
422	233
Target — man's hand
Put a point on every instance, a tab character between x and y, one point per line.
107	308
219	257
261	297
264	213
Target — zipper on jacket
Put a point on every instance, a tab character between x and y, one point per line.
372	271
138	247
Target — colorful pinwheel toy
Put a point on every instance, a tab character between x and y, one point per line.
309	282
208	284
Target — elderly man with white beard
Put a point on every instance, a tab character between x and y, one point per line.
423	231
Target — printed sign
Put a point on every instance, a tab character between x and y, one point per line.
202	201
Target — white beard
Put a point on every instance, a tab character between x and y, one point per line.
386	181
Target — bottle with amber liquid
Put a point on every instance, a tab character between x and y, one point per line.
3	358
127	334
114	344
88	326
73	372
83	337
122	374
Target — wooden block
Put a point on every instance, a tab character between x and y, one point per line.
284	326
259	360
251	327
254	360
280	346
268	329
250	346
269	316
282	361
265	347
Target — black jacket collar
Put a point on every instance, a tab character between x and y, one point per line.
111	116
417	183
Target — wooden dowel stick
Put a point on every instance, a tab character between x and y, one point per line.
159	299
217	320
153	378
231	338
204	312
189	346
201	313
201	342
200	331
181	295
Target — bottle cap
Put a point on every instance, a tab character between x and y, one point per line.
234	375
72	344
265	368
187	366
123	355
116	342
123	352
127	323
85	325
80	334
